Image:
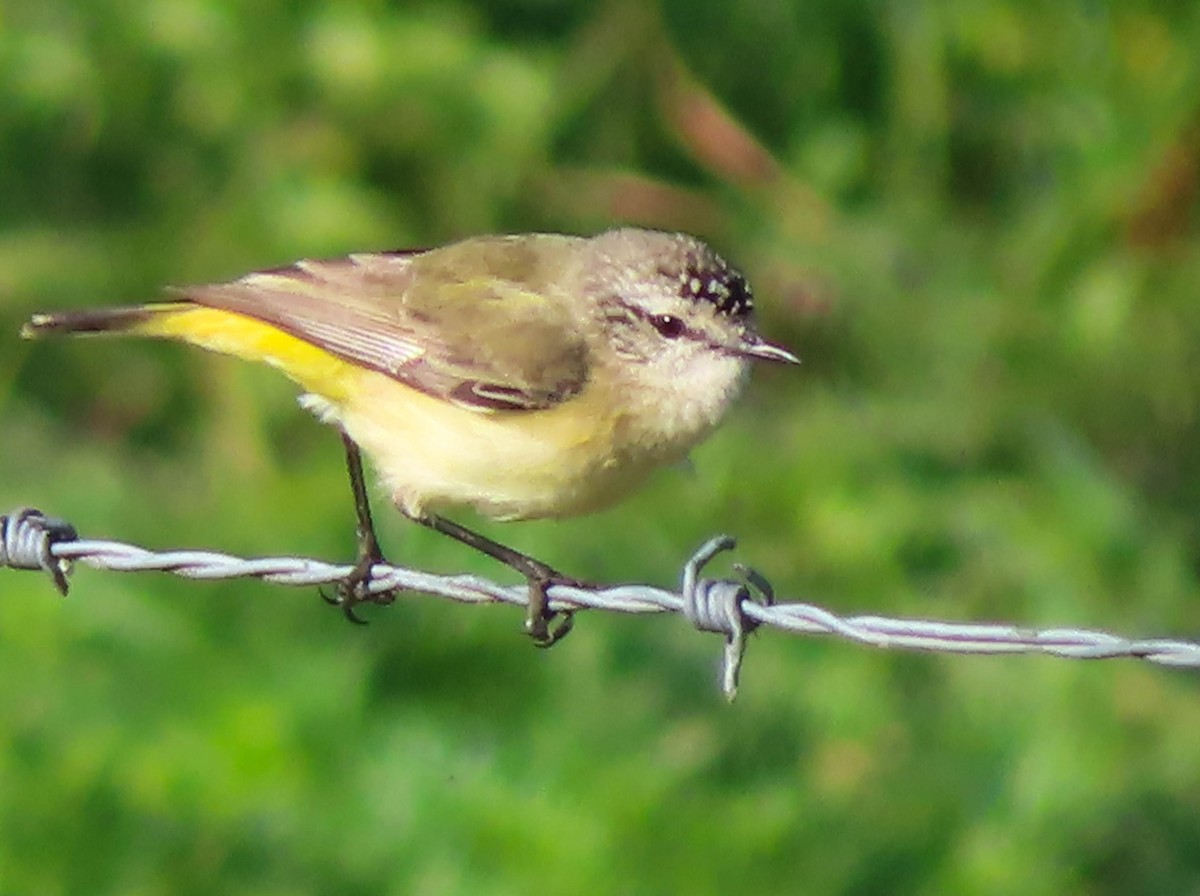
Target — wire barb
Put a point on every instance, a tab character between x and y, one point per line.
27	539
715	605
31	540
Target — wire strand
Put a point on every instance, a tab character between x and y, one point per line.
733	607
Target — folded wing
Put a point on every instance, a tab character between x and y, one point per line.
484	332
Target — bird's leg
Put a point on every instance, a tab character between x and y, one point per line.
539	575
353	589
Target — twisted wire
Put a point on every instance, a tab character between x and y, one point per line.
731	607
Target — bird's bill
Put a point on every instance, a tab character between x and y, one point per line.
761	350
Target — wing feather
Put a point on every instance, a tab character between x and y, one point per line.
493	336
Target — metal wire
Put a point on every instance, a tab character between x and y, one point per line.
31	540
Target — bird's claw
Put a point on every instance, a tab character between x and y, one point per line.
355	589
539	615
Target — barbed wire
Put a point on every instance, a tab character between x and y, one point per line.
732	607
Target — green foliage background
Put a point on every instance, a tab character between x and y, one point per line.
976	221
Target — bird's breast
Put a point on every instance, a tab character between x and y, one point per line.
569	459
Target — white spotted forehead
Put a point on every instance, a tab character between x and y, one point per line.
684	265
719	284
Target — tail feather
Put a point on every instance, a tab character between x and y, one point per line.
96	320
226	332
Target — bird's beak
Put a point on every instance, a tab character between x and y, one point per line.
761	350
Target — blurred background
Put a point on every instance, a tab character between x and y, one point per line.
978	223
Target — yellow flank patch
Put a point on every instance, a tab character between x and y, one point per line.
244	337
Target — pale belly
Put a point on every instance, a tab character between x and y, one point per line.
562	461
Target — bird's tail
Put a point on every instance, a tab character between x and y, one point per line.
214	329
143	320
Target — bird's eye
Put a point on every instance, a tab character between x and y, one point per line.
668	325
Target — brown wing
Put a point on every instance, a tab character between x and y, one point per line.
479	323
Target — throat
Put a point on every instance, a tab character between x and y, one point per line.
671	418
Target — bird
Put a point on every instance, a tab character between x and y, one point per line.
523	376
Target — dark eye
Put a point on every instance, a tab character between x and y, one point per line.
668	325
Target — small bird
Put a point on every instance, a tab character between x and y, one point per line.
525	376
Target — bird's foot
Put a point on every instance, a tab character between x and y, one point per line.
539	617
355	588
